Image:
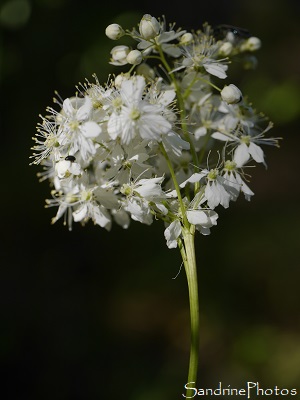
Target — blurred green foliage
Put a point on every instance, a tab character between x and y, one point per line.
15	14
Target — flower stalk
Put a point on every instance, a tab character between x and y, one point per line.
145	146
189	259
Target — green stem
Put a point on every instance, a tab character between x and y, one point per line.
187	246
177	188
189	260
180	104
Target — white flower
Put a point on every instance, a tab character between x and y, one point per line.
48	171
201	53
65	201
128	162
215	191
150	189
77	129
134	116
90	208
235	114
114	31
96	212
231	94
234	182
139	210
65	168
213	67
246	149
202	219
246	145
46	141
146	131
139	195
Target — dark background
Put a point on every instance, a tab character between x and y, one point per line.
89	314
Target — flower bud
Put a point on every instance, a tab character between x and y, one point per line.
119	54
186	39
149	27
147	72
114	31
120	78
226	49
231	94
251	44
134	57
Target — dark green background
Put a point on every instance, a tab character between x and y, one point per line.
92	315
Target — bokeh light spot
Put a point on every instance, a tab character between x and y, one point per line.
15	13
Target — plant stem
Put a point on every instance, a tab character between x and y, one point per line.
170	166
189	260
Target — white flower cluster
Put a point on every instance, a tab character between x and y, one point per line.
161	141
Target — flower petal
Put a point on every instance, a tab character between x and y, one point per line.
171	233
216	69
84	111
221	136
256	153
90	129
241	154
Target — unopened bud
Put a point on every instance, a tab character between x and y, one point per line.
134	57
186	39
226	49
149	27
120	78
231	94
145	70
114	31
119	54
251	44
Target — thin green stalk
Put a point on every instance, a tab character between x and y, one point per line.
177	188
189	259
187	246
181	105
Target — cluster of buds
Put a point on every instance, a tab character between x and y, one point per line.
160	142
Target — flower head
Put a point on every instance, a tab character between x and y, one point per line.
134	147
